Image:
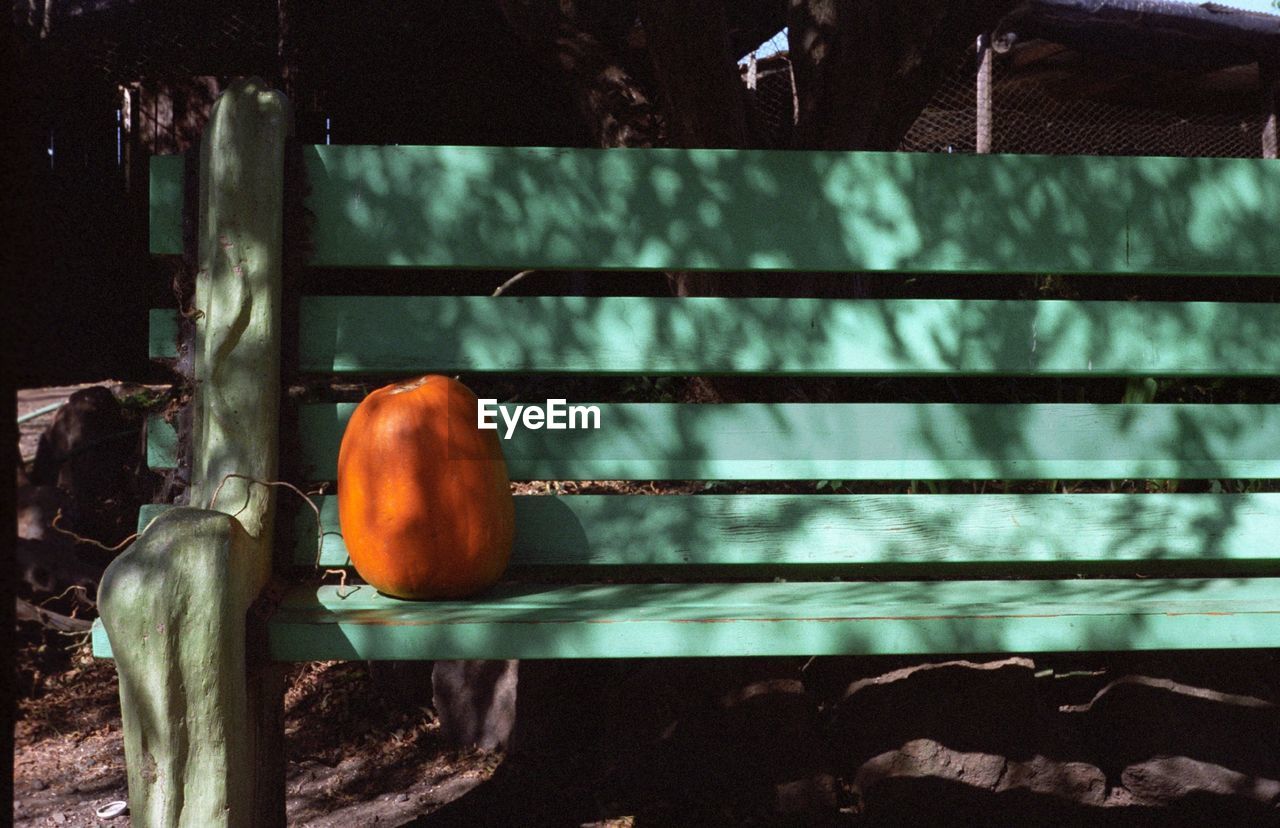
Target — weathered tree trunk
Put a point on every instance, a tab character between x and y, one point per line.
201	705
865	69
584	43
701	92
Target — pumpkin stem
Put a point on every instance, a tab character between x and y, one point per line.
408	385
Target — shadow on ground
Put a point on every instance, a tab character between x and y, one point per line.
1088	740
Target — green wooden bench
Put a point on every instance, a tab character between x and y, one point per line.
606	576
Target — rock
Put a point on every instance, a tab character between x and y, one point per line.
808	797
92	452
37	508
1135	719
960	741
82	449
973	708
951	734
769	730
46	568
719	740
1173	779
1078	782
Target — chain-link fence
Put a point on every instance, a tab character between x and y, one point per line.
1029	117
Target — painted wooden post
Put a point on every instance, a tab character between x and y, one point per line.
201	713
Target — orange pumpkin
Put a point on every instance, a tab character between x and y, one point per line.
423	494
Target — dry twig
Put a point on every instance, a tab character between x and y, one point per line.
342	581
27	611
305	498
53	524
502	288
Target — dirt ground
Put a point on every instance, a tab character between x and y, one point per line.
377	762
1049	742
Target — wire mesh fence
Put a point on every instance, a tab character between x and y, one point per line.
1028	117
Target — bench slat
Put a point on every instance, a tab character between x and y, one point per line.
797	618
162	333
802	618
860	441
650	335
904	530
875	441
165	175
677	209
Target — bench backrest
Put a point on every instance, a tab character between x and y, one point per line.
471	207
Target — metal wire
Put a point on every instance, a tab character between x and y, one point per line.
1028	118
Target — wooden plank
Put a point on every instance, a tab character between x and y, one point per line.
98	638
648	335
162	329
860	441
166	187
148	512
905	530
759	209
540	207
162	443
875	441
775	619
797	618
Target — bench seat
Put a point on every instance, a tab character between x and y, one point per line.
777	619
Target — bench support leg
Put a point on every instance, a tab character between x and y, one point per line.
476	702
175	607
201	710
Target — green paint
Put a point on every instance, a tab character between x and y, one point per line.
799	618
875	441
148	512
648	335
195	688
862	441
166	186
828	618
556	208
173	608
906	530
858	530
237	348
162	443
162	330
